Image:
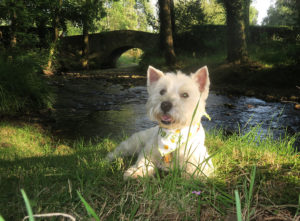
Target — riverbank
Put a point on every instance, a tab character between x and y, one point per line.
265	173
277	83
281	83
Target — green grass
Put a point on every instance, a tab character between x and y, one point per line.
131	57
72	178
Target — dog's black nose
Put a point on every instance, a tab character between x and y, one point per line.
166	106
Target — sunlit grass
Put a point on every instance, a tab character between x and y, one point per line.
130	58
52	172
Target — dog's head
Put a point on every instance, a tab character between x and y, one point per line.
174	97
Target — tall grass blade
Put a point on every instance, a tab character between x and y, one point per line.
249	193
88	208
297	211
238	206
1	218
133	211
253	174
27	204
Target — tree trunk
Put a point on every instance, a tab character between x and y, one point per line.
85	33
236	37
298	10
13	29
173	17
42	32
86	48
166	34
246	7
53	47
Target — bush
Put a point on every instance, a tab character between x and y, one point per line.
22	87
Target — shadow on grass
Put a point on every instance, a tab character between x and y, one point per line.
51	183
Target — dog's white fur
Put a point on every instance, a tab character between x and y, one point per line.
183	93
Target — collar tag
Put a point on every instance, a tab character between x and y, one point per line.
167	158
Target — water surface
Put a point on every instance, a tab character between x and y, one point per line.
96	107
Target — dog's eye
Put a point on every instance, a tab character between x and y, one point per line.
184	95
162	92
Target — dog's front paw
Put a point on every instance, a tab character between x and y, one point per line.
133	173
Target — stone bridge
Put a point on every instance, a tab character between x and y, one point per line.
105	47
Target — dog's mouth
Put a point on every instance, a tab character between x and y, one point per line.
166	119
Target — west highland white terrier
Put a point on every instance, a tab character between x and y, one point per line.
177	103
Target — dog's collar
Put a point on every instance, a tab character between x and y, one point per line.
169	140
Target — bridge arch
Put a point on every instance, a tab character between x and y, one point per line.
116	54
107	47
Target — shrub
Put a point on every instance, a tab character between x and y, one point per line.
21	84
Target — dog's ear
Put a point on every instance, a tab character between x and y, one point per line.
201	76
153	75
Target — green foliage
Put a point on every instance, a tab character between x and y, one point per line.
191	13
114	15
22	85
253	15
275	52
20	17
214	12
86	13
283	13
187	14
73	29
125	15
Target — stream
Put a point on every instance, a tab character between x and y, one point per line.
93	107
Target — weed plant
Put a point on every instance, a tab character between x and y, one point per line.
21	84
255	178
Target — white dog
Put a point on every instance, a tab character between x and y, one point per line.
177	102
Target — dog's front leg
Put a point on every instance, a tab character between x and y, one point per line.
133	144
143	167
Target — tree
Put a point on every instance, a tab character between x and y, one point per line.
187	14
246	14
214	12
56	26
17	16
84	14
125	15
253	16
166	33
236	36
283	13
298	11
198	12
86	23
